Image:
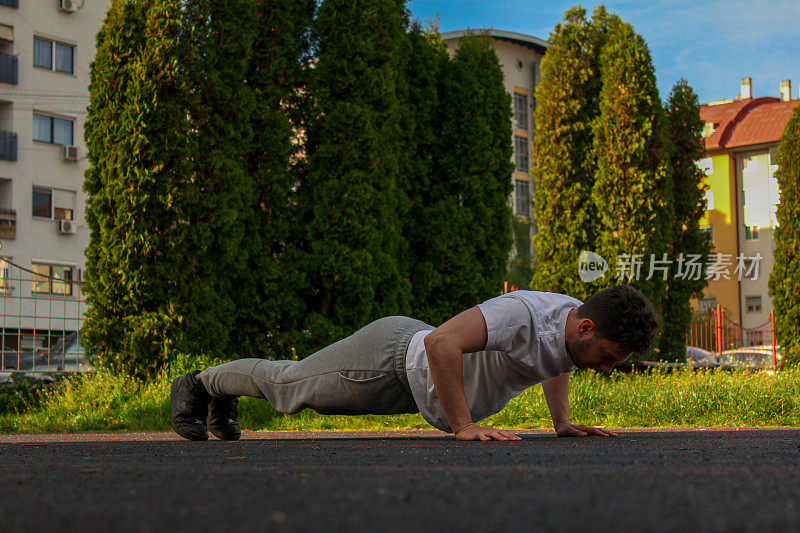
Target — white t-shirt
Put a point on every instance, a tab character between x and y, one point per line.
525	346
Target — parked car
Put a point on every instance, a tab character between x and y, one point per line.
64	356
758	356
700	356
13	359
68	356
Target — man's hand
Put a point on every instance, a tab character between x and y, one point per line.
568	429
473	432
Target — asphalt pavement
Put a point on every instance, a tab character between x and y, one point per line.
664	480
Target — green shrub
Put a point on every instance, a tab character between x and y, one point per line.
21	396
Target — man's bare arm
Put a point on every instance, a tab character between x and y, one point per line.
464	333
556	392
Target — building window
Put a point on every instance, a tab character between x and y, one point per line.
53	130
707	304
709	200
521	111
522	194
521	153
753	304
53	55
751	233
752	202
53	203
4	275
51	279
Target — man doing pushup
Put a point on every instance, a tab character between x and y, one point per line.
455	375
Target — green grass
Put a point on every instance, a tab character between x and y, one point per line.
683	398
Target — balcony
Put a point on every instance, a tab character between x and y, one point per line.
9	3
8	68
8	223
8	145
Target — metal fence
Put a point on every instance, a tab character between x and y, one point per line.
41	323
717	339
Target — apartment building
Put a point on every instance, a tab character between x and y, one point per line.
46	47
520	56
741	138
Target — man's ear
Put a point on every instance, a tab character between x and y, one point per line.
586	325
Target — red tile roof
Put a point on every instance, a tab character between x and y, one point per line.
747	122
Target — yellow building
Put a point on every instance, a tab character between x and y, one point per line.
741	138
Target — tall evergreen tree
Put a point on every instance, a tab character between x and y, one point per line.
119	42
133	131
219	189
350	196
465	258
425	59
166	181
564	173
270	309
784	281
684	127
632	189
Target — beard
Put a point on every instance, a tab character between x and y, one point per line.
577	352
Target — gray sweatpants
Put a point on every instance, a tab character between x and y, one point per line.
364	373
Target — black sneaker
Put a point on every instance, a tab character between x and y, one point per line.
189	407
222	417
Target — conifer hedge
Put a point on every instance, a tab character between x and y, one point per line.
615	173
350	199
565	163
632	190
268	176
784	281
684	128
468	229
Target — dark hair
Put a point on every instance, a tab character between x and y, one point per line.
622	314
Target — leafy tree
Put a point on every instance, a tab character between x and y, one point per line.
784	281
219	188
350	197
135	116
268	292
684	127
465	257
519	268
564	173
425	59
166	183
632	189
119	42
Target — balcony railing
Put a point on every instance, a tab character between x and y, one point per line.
9	3
8	224
8	145
8	68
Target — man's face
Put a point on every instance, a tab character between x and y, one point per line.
593	351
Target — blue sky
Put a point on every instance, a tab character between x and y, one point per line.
712	44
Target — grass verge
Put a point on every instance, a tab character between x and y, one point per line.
109	402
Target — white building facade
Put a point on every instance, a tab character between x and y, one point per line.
46	48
